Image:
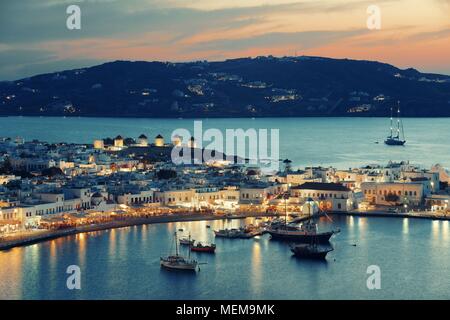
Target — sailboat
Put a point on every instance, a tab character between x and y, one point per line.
177	262
396	140
307	231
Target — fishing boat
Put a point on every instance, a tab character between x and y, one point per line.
310	251
199	247
397	139
178	262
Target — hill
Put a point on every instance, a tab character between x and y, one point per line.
246	87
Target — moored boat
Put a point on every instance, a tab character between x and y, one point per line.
178	262
227	233
310	251
187	241
199	247
305	233
396	139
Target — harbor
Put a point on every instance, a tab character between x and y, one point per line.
128	260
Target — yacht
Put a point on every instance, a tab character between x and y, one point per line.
397	136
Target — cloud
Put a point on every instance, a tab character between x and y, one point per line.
183	29
431	35
37	21
303	40
16	64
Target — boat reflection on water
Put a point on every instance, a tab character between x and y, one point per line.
311	251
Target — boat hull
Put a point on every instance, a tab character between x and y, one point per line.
181	267
230	235
207	250
394	142
319	255
321	238
187	243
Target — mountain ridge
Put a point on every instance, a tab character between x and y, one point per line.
264	86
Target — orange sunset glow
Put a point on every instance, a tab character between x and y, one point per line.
413	33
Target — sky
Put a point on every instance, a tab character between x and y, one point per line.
34	37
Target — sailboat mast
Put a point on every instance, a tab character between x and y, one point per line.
391	121
285	209
398	120
189	254
176	243
403	132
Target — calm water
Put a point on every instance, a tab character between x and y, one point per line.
343	142
414	257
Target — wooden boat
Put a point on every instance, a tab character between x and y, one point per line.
310	251
199	247
227	233
303	234
178	262
186	241
306	233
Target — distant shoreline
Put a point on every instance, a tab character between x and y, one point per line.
203	117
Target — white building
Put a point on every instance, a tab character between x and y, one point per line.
393	193
135	198
330	196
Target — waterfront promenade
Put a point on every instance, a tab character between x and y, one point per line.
35	236
31	237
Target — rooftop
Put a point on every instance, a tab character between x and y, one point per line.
321	186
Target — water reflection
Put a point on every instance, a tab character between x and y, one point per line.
112	241
256	267
435	229
405	226
11	264
81	243
445	231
